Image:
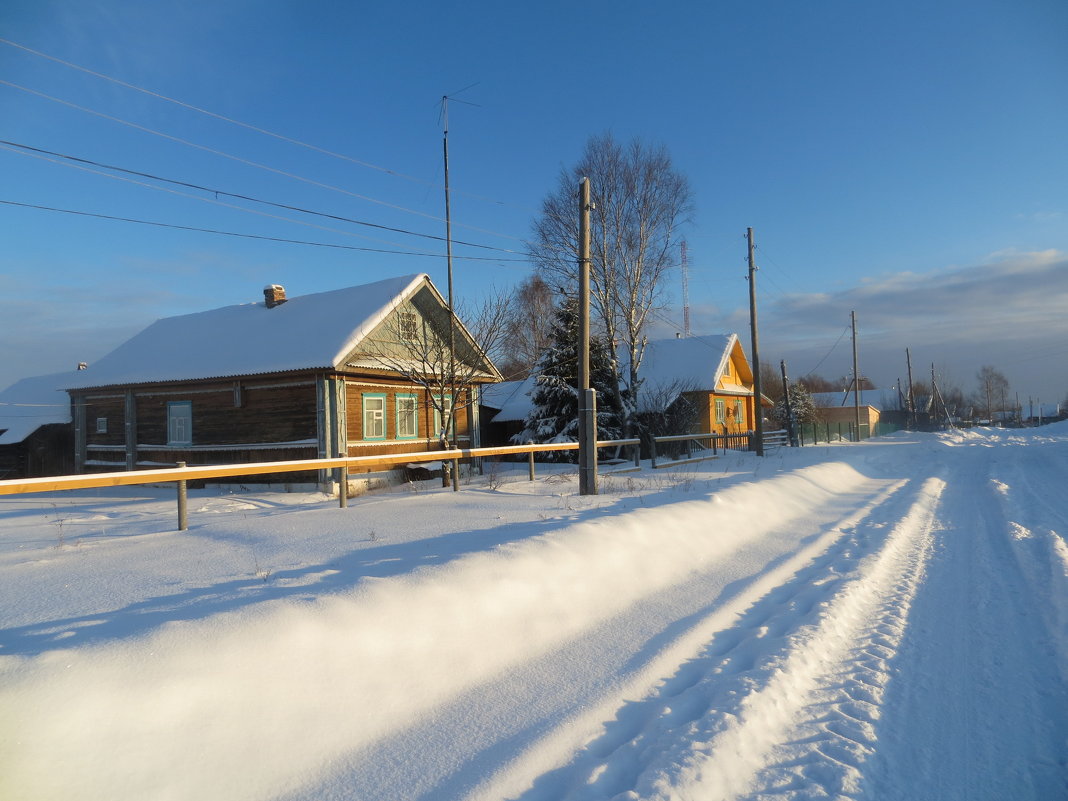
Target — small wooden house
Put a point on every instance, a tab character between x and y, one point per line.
355	371
704	381
36	436
693	385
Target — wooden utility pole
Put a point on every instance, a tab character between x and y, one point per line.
791	428
449	419
587	397
758	410
912	396
856	377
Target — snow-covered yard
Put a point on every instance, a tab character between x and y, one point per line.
881	621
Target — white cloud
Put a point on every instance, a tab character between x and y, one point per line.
1008	311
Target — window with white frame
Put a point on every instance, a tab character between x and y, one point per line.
407	416
739	412
721	411
180	423
445	404
374	416
101	425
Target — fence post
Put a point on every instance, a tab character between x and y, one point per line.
530	459
342	483
455	475
183	503
637	446
652	452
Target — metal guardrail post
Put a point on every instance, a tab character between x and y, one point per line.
183	503
342	484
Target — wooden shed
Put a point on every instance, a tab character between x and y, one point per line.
36	435
360	370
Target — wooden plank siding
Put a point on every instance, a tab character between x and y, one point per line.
232	422
427	433
274	419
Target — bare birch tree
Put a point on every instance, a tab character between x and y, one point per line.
640	202
528	332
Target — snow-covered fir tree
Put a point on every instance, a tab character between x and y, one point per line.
804	410
554	417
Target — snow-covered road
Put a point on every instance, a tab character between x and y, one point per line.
882	621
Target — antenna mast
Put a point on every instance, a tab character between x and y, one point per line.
685	292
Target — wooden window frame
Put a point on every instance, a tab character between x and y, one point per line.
437	416
382	413
721	411
179	416
407	326
413	415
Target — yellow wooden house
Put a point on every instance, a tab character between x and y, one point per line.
709	374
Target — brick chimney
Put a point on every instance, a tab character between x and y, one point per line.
274	295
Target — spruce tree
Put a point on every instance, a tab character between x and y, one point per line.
554	417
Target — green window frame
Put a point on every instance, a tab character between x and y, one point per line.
407	415
374	415
437	415
179	423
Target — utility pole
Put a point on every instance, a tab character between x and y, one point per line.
449	419
912	396
791	428
856	377
587	397
758	411
685	292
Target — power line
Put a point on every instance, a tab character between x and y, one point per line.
238	196
827	355
245	161
246	125
249	236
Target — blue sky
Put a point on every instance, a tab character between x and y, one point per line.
906	160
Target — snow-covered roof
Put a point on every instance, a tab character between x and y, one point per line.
496	395
305	332
31	403
518	404
696	362
672	366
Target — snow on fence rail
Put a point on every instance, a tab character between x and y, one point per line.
182	474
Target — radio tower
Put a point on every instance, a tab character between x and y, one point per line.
685	292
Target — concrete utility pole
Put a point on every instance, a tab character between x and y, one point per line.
856	377
587	397
758	410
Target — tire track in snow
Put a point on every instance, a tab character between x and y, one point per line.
810	725
639	752
980	712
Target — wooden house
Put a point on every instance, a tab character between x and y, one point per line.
36	435
704	383
694	385
358	371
